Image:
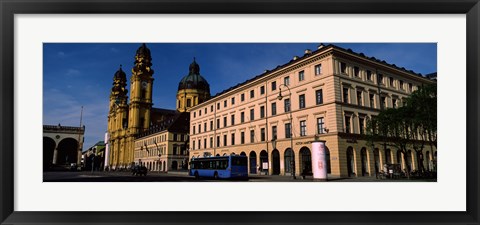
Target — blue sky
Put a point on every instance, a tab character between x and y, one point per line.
81	74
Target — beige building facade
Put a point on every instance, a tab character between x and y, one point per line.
163	147
327	94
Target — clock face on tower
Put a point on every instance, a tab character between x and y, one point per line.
144	84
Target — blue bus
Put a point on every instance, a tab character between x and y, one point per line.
225	167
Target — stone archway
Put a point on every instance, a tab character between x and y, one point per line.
67	151
327	157
364	160
263	160
305	161
253	162
275	162
48	150
288	160
350	162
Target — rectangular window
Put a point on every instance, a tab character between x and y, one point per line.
262	111
252	114
356	71
320	125
359	98
274	132
288	130
303	128
189	102
361	123
274	85
242	117
369	75
401	84
286	104
383	102
232	120
233	101
233	139
242	137
218	123
380	79
319	97
345	95
211	142
193	143
224	121
347	124
199	128
372	100
204	127
218	141
343	68
252	94
392	84
193	129
218	106
394	103
262	90
199	144
252	136
410	85
224	140
301	75
205	110
274	108
205	143
225	104
262	134
286	81
211	108
301	101
211	125
318	69
199	112
242	97
194	114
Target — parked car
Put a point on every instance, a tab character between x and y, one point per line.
139	170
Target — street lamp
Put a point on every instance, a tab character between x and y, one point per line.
280	97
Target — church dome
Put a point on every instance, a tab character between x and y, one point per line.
143	50
194	80
120	75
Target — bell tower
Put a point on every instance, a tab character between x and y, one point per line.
140	107
118	117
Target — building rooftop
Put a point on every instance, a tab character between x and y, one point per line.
309	53
180	123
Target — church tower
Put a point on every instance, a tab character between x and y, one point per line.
118	117
193	89
140	107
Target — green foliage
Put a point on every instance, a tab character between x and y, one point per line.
412	125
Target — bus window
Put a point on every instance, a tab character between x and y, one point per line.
239	161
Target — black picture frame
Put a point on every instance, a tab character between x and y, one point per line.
8	8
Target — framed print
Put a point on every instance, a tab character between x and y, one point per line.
33	31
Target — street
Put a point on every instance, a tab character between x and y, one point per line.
101	176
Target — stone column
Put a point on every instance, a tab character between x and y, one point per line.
55	154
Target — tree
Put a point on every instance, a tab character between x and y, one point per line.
412	125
